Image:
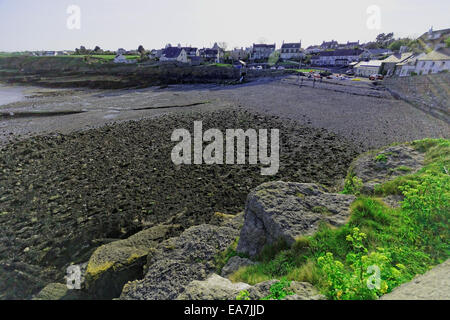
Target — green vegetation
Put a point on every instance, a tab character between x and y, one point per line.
224	65
308	70
381	158
380	247
243	295
279	290
447	42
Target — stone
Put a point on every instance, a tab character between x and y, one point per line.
213	288
234	264
375	168
176	262
114	264
58	291
286	211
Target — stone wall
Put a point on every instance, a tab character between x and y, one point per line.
429	93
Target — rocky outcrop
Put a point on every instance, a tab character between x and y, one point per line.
114	264
234	264
59	291
218	288
213	288
176	262
387	164
286	210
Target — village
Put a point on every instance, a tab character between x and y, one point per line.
386	56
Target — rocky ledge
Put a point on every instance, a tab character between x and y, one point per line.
287	211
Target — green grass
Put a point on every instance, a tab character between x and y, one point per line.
308	70
402	242
223	65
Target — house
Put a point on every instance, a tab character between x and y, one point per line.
191	52
407	67
157	53
262	51
340	57
120	58
434	62
389	64
378	53
367	68
329	45
174	54
349	45
49	53
313	49
240	54
291	51
121	51
210	55
434	40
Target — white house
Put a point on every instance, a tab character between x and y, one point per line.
340	57
262	51
367	68
434	62
291	51
174	54
407	67
120	58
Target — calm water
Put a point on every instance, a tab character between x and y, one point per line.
10	94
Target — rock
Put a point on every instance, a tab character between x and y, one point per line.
286	210
213	288
234	264
386	164
176	262
228	220
58	291
114	264
219	288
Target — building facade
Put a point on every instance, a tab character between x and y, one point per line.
291	51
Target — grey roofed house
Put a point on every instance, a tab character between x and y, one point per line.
291	45
171	52
191	52
376	52
262	45
341	53
329	45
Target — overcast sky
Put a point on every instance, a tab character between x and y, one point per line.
110	24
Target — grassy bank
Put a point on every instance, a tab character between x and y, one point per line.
380	247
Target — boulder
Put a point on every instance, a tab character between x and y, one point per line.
58	291
114	264
176	262
374	168
213	288
234	264
216	287
286	210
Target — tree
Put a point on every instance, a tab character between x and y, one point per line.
384	39
223	45
83	50
97	49
141	49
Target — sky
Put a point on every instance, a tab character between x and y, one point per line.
113	24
